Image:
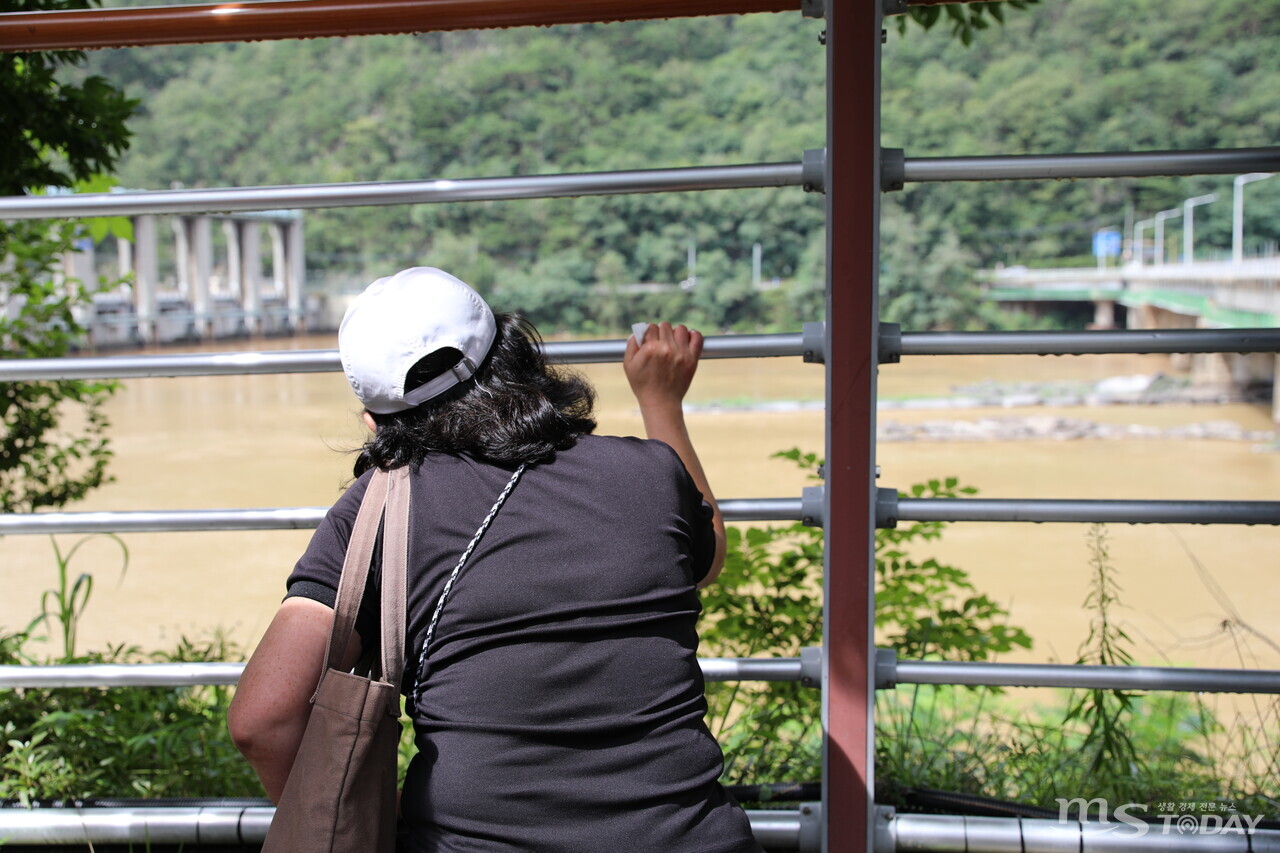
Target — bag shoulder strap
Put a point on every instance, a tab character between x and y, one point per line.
389	492
355	569
395	571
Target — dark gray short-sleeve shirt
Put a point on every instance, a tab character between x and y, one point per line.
562	704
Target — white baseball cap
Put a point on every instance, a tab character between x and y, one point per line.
401	319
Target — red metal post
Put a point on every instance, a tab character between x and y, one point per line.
281	19
853	215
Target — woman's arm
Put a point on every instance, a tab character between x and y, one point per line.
272	704
660	369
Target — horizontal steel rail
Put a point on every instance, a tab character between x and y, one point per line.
1091	343
214	674
56	676
1089	511
289	518
986	674
785	345
217	22
889	673
1129	164
686	179
142	202
163	521
1167	833
145	827
327	361
734	509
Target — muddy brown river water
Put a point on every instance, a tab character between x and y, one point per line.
1193	595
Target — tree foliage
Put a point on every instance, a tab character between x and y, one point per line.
54	132
964	20
1051	78
53	444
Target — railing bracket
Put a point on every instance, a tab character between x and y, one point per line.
812	501
815	342
811	828
813	170
886	669
811	666
886	508
893	169
889	346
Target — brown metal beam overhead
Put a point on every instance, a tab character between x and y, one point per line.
285	19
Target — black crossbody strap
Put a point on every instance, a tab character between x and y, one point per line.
453	577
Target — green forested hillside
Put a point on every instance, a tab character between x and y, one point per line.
1067	75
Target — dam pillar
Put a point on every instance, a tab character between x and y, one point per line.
146	275
295	274
235	266
1104	314
1275	388
200	259
251	276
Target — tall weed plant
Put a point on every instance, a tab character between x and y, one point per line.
1122	746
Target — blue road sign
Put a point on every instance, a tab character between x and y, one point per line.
1106	243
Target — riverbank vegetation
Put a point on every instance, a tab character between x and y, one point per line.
932	743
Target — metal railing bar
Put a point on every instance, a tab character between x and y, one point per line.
1133	164
889	673
717	346
935	833
288	518
1106	511
120	675
773	828
192	364
686	179
720	346
1087	677
689	179
327	361
163	521
1091	343
212	673
133	27
734	509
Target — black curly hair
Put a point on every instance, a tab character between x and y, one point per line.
517	408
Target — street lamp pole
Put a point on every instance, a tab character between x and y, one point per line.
1160	218
1188	224
1237	213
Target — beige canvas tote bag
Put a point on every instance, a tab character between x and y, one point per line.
341	793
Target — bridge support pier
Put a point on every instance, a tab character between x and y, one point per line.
295	274
205	285
145	276
251	276
200	267
1104	314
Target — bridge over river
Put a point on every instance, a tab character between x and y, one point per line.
1202	294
